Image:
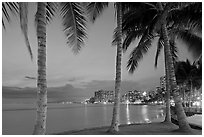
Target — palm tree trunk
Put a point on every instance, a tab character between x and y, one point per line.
184	100
193	91
181	116
40	125
190	94
116	108
168	90
183	123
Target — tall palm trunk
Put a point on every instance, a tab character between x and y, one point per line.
191	96
40	126
116	107
184	100
168	90
183	123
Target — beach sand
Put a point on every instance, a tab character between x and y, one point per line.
135	129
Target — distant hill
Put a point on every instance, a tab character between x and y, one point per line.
55	94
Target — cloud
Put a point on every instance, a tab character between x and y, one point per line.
32	78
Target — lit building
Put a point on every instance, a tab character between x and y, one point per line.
103	96
163	82
132	96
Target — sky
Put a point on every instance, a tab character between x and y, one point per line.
93	68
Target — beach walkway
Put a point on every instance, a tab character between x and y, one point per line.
195	120
136	129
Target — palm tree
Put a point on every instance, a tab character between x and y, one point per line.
74	23
188	74
182	70
142	29
94	10
147	24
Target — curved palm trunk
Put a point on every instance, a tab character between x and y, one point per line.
183	123
168	90
181	116
40	125
116	107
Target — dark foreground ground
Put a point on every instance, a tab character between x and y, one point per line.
136	129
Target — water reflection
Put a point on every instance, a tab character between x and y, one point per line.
145	113
85	115
128	114
105	113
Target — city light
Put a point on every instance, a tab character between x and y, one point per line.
127	102
197	103
104	102
172	102
144	93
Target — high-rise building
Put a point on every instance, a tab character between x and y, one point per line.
132	96
103	96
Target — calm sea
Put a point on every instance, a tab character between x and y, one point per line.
19	119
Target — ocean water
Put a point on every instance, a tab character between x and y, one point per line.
19	119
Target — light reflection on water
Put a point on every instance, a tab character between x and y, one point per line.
144	113
105	112
77	116
128	114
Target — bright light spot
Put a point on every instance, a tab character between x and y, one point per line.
172	102
196	103
160	102
147	120
104	102
128	114
144	93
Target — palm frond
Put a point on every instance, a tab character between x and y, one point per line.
51	9
74	22
115	37
188	15
135	24
138	18
192	41
8	7
130	37
160	45
138	52
24	24
94	9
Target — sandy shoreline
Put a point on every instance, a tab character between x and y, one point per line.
135	129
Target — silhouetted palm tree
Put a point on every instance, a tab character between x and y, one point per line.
74	22
189	75
147	21
94	10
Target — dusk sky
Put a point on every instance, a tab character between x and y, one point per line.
92	68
